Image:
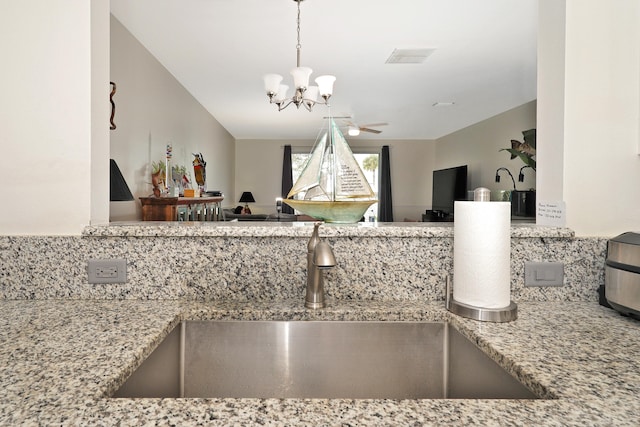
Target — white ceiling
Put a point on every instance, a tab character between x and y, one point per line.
484	62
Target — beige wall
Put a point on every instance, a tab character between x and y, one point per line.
152	110
100	58
551	100
412	164
478	147
259	170
602	111
48	113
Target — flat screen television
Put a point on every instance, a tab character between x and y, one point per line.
449	185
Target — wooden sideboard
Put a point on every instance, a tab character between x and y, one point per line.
194	208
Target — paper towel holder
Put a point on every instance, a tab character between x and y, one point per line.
505	314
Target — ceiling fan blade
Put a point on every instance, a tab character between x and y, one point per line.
370	130
373	125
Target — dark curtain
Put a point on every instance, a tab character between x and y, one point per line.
385	204
287	178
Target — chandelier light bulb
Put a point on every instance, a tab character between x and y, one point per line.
301	78
281	94
272	83
325	85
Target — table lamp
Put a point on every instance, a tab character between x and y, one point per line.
118	189
247	198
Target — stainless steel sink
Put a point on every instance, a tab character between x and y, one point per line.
320	359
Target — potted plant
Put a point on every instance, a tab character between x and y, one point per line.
523	203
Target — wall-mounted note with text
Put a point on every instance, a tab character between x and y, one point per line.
551	213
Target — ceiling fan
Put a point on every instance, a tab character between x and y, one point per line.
354	129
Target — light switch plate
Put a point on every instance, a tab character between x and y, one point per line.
543	273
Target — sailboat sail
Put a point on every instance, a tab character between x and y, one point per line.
310	176
350	181
332	172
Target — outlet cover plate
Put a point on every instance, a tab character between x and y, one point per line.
107	270
543	273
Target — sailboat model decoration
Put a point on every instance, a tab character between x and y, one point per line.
332	187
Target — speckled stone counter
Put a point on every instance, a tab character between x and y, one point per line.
61	359
302	229
66	345
266	261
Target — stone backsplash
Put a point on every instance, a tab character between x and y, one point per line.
267	262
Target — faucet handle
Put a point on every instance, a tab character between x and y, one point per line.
323	257
315	238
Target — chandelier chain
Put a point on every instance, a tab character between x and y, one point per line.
298	46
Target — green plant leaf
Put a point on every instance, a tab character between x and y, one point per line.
527	159
529	137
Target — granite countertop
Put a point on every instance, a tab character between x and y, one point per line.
61	359
302	229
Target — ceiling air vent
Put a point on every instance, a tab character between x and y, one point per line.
409	56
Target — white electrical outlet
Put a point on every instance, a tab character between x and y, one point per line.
543	273
107	270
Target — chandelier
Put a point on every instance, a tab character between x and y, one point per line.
304	94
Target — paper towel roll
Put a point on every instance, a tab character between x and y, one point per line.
482	254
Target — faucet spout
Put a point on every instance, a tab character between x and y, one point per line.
319	258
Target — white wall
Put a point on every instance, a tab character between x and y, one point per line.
99	188
478	146
602	101
152	110
550	111
259	170
46	115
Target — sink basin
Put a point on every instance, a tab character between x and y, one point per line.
320	359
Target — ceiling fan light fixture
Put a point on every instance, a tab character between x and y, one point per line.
304	94
353	131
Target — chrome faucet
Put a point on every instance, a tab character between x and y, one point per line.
319	257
